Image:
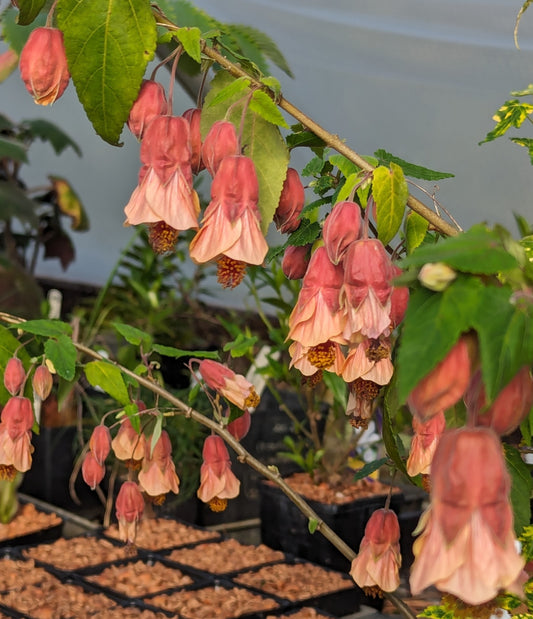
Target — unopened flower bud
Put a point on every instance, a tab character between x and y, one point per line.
92	471
42	382
240	427
291	203
295	261
399	299
341	228
194	116
100	443
14	375
43	65
220	142
150	103
436	276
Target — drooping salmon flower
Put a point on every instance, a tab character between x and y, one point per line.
425	440
194	116
151	102
367	289
399	299
341	228
291	203
158	474
128	445
233	387
445	384
379	560
15	437
14	375
310	360
100	443
43	65
217	481
231	227
362	396
467	544
220	142
92	471
42	382
129	509
165	192
510	407
370	360
295	261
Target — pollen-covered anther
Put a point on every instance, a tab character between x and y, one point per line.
466	611
377	351
366	389
133	465
7	472
358	422
217	505
252	401
373	592
230	272
314	380
156	500
322	356
162	237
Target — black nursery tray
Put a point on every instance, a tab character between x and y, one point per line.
51	528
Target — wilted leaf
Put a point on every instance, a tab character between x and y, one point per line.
57	244
69	204
8	63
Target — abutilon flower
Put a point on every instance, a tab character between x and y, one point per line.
309	360
341	228
233	387
231	227
14	375
220	142
158	474
291	203
128	445
367	291
42	382
318	316
379	559
399	300
361	397
194	116
510	407
92	471
15	437
165	192
43	65
217	481
425	440
370	360
467	544
129	509
295	261
100	443
239	428
151	102
445	384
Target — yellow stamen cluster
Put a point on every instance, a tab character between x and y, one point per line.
158	500
230	272
377	351
464	611
366	389
133	465
252	400
373	592
217	505
7	472
162	238
322	355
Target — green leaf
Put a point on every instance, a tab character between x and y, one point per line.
416	227
272	84
190	39
62	353
312	525
15	33
13	149
131	411
156	434
29	9
46	328
390	192
133	335
233	89
242	345
390	437
521	485
478	250
410	169
307	233
261	141
15	203
345	165
109	378
48	132
262	104
432	324
349	185
369	468
511	114
314	167
108	45
526	143
176	353
522	10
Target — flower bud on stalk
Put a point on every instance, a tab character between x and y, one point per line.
100	443
291	203
295	261
341	228
14	375
220	142
43	65
42	382
150	103
194	116
92	471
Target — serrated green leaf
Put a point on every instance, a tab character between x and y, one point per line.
13	149
48	132
312	525
307	233
262	104
346	166
15	203
478	250
109	378
176	353
416	227
184	13
431	326
511	114
348	187
314	167
390	192
237	87
133	335
272	84
242	345
62	353
190	39
410	169
46	328
15	33
261	141
108	44
521	485
28	10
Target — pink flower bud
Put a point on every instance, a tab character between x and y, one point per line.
129	509
341	228
291	202
92	471
194	116
100	443
399	300
220	142
240	427
150	103
295	261
14	375
42	382
17	415
43	65
234	387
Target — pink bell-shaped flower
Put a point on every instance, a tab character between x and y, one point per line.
129	509
220	142
17	415
43	65
194	116
291	203
15	437
100	443
42	382
341	228
370	360
14	375
217	481
295	261
128	445
233	387
92	471
158	474
425	440
151	102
